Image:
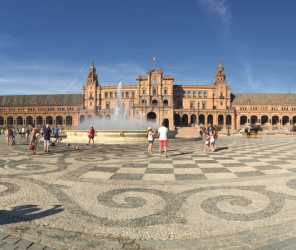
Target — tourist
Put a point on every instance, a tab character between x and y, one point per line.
27	134
150	139
91	135
207	142
47	132
33	140
6	132
14	132
10	133
209	128
248	130
56	134
38	134
213	139
204	132
23	132
163	139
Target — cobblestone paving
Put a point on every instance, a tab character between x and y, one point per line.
120	197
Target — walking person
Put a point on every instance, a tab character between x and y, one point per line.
213	139
14	132
163	139
38	134
33	140
10	133
150	139
91	135
27	134
6	136
56	134
47	132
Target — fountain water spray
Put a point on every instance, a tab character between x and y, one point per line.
120	119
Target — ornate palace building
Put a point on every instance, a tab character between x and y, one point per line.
154	96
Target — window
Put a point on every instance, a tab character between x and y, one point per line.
194	94
143	91
220	103
127	94
107	105
90	104
154	91
206	94
178	94
115	94
204	105
184	94
199	94
165	92
106	95
165	82
227	93
179	104
214	93
133	94
111	95
189	94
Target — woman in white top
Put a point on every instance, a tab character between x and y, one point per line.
212	140
150	139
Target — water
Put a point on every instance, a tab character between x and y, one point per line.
120	119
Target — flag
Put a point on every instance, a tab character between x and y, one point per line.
153	59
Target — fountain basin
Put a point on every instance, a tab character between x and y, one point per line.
113	136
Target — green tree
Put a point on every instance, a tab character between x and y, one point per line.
217	127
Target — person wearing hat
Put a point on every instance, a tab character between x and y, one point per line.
150	139
91	135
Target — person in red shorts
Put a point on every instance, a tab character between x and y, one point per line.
91	135
163	139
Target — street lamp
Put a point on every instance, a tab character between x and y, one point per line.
198	113
228	122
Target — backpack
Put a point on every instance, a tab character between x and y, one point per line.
216	135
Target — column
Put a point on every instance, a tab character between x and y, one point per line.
44	121
206	120
290	121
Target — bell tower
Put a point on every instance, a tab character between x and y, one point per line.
221	88
90	90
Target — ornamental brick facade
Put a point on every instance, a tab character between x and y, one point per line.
154	96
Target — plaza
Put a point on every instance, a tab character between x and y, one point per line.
119	197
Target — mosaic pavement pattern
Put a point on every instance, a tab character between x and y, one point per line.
119	197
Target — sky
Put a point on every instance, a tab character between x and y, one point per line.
46	47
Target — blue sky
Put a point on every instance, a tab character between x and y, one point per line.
46	47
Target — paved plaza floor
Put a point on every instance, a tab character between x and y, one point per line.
119	197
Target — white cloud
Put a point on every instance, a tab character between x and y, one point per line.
218	7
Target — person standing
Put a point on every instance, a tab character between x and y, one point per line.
33	140
248	130
56	134
38	134
6	132
47	132
91	135
163	139
14	132
150	139
23	132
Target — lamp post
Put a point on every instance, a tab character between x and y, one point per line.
68	118
198	113
228	122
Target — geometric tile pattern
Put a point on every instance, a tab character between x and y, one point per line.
253	157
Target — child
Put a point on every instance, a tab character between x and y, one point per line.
207	142
150	139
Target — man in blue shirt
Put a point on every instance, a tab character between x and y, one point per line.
47	132
56	133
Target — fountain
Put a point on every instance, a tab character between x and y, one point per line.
120	128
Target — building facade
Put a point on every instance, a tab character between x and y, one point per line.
154	96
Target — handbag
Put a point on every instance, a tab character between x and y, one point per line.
31	147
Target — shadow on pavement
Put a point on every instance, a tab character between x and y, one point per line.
221	149
26	213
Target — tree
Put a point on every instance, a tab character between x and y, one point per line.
217	127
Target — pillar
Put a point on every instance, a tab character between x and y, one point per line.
44	121
206	120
